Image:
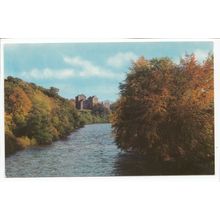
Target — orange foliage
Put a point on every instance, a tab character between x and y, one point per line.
19	101
166	110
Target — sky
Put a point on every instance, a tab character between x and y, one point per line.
89	68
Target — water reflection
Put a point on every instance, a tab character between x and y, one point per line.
89	151
133	164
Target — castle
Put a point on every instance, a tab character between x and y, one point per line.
82	103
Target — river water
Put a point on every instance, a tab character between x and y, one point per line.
90	151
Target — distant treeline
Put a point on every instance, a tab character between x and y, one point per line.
166	111
36	116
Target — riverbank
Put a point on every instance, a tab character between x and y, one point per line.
16	146
38	116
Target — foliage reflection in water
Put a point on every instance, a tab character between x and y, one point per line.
90	151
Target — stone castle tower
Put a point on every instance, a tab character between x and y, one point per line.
83	103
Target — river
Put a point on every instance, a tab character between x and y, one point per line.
89	151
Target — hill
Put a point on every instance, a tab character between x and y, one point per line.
37	116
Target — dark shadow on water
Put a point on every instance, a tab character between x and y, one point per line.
132	164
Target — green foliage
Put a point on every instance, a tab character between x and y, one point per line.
101	112
53	92
97	115
166	110
35	115
39	126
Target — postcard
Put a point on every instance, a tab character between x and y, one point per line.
126	108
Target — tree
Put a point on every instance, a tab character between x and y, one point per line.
53	91
166	110
100	110
39	126
18	105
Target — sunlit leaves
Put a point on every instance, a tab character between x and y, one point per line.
166	110
35	115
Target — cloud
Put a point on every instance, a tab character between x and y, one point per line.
75	67
201	55
48	73
88	69
120	59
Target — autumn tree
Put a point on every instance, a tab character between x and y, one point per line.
192	113
35	115
166	110
19	105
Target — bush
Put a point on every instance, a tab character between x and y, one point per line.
23	142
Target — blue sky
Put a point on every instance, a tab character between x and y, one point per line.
89	68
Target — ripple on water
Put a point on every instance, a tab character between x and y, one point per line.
90	151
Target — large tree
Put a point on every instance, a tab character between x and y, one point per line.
166	110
